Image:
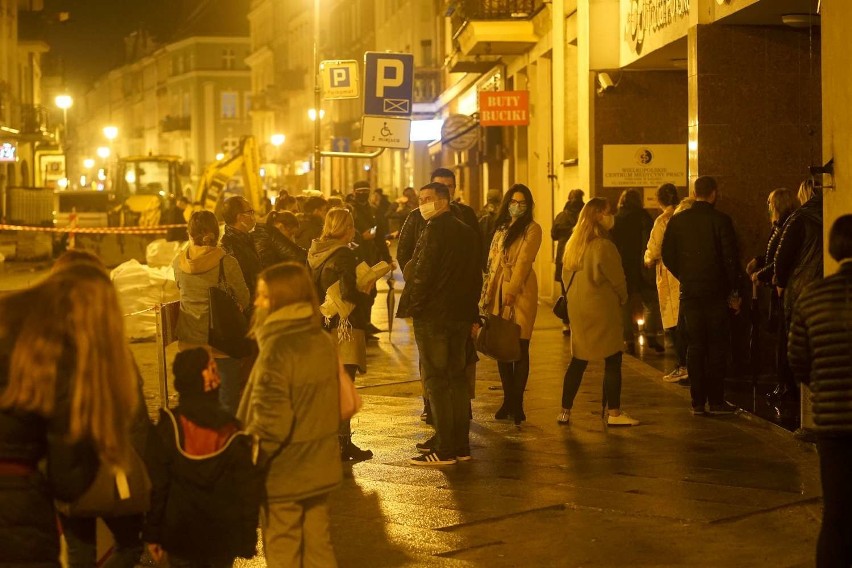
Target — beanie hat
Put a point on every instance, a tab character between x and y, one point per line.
188	368
363	184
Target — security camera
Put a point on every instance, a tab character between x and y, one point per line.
606	83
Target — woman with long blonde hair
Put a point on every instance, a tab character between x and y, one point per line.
68	392
596	290
332	261
291	403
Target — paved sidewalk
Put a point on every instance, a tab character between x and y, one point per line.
676	491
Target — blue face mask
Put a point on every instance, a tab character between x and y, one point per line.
516	210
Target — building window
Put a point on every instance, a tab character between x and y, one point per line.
247	101
229	104
229	59
229	144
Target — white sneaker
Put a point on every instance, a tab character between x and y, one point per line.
621	420
564	416
679	374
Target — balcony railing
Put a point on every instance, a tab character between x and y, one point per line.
35	119
495	9
175	124
427	84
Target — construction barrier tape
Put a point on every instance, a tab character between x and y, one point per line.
95	230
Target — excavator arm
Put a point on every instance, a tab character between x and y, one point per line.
245	161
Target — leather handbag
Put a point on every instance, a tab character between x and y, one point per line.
499	338
227	330
114	492
560	307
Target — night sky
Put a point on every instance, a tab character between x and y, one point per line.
90	42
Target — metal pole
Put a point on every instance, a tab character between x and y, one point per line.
317	101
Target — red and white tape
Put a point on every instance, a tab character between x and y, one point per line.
95	230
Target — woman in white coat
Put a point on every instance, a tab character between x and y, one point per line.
668	288
511	286
597	288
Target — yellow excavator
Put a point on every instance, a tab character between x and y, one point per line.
143	186
244	162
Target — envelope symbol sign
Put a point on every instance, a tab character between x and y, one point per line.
400	106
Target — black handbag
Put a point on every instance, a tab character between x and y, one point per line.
560	307
227	330
499	338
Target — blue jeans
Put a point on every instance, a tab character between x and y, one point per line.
230	371
442	357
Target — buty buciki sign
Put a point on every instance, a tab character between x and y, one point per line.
504	108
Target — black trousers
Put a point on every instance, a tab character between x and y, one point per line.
611	382
708	344
513	377
834	548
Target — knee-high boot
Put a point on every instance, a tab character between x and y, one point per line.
519	386
508	392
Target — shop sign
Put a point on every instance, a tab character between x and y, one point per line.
8	152
646	17
504	108
633	165
459	132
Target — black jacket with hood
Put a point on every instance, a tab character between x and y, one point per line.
240	245
273	247
798	259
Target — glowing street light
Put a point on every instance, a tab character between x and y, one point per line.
277	139
111	132
312	114
89	163
220	156
103	152
64	101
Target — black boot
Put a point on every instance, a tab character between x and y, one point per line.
519	388
506	408
349	452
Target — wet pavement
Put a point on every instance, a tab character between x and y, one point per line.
677	490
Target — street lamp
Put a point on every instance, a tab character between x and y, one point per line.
277	140
111	132
64	102
312	114
103	152
89	163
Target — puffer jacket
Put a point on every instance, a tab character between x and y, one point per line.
292	403
415	224
443	281
240	245
798	260
700	250
766	262
310	228
273	247
333	261
28	535
818	349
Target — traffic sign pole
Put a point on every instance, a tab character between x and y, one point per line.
317	101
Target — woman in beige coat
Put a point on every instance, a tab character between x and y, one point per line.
511	288
597	289
668	288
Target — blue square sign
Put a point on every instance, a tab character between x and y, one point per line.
388	84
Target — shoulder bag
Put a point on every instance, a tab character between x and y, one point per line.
114	492
560	308
227	330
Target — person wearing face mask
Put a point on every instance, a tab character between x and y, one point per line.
197	269
240	221
206	490
511	287
597	289
292	405
332	261
700	250
443	285
274	240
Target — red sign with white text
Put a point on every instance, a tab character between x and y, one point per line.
504	108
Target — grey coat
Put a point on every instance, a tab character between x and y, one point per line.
196	271
595	298
292	403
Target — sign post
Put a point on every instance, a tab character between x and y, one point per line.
388	99
340	79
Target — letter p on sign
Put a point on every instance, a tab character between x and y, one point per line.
340	77
391	73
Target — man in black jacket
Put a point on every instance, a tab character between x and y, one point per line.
700	250
311	221
818	351
414	223
239	217
441	294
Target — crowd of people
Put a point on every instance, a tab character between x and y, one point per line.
259	439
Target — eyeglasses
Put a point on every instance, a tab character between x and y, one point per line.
248	212
514	202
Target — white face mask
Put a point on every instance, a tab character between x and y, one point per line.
608	222
428	210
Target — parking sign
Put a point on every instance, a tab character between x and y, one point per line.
388	83
339	79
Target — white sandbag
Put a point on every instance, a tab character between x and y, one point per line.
161	252
139	288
